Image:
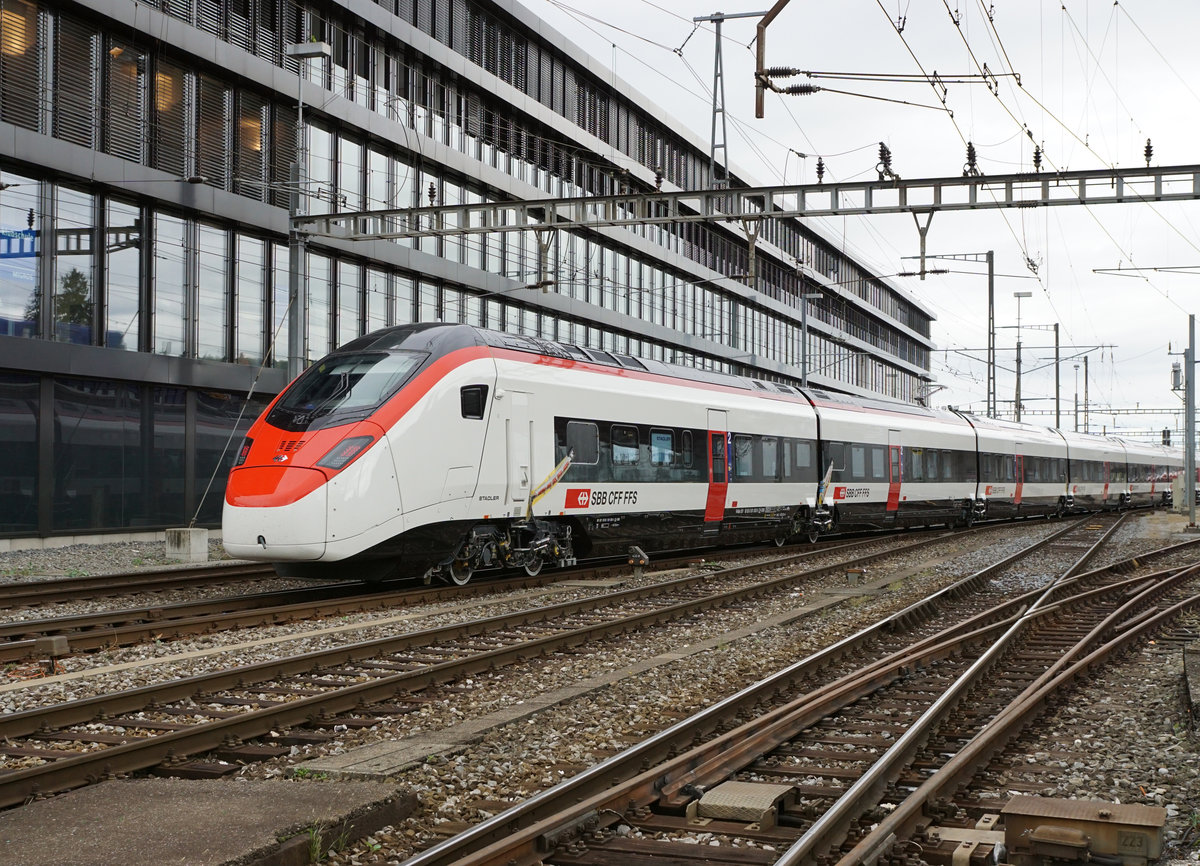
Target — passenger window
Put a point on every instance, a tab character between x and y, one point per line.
947	465
931	465
770	458
583	438
804	455
624	445
662	447
858	462
878	463
837	456
916	464
686	446
473	399
743	457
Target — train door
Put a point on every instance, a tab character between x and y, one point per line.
1020	479
718	471
894	473
519	442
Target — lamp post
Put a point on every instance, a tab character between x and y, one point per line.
804	299
297	260
1019	296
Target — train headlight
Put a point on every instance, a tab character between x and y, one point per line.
345	451
244	451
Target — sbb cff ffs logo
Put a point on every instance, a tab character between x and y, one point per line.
582	497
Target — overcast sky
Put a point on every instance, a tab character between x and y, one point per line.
1096	80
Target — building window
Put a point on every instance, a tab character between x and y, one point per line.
251	299
378	313
74	272
20	249
20	69
123	276
349	301
280	307
212	293
320	311
169	280
125	103
20	397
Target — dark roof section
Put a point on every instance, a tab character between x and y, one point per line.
833	398
433	337
523	343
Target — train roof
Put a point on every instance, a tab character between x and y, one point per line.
1004	424
438	338
525	343
849	401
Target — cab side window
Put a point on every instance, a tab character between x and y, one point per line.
473	400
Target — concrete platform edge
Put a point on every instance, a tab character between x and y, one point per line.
298	849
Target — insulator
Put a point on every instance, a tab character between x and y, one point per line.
780	71
885	155
1149	152
1037	158
820	170
658	179
971	168
432	193
801	89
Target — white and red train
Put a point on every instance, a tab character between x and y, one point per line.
445	449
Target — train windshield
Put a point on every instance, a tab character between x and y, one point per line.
343	388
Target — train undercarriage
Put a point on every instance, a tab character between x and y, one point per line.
528	544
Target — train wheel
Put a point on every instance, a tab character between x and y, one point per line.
780	540
534	566
812	535
460	572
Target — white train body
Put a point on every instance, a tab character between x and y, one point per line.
447	449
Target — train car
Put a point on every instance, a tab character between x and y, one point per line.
1150	469
895	464
442	450
1022	469
1096	472
445	449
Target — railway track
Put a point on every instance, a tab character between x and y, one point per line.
155	622
71	744
802	761
33	593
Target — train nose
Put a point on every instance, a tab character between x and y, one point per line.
254	526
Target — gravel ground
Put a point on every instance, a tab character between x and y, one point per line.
518	760
79	560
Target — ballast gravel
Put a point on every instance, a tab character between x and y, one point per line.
520	759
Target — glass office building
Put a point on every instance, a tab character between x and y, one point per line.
145	157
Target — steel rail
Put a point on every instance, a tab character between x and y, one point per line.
96	586
1016	717
18	785
520	827
701	766
829	829
90	631
105	629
